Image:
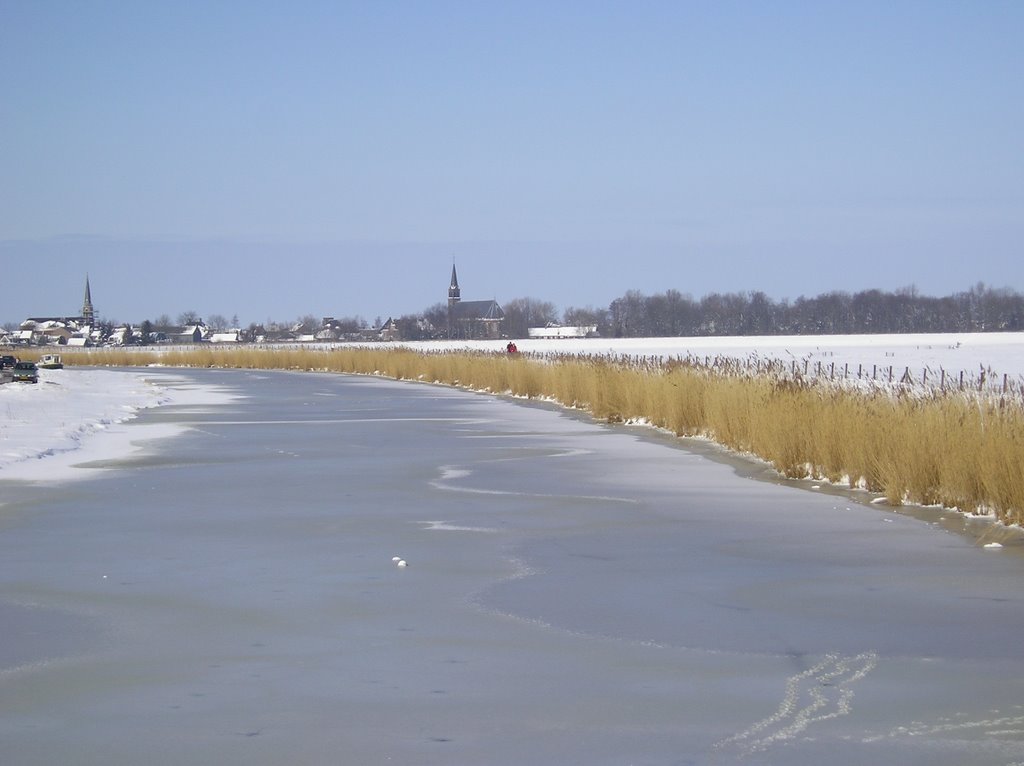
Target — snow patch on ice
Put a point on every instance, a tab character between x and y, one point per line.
445	526
73	416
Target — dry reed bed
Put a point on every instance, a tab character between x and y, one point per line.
955	450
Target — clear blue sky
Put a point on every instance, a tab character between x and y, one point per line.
270	159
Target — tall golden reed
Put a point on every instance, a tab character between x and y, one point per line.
964	452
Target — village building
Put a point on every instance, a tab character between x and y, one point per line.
481	319
194	333
389	330
121	336
226	336
472	319
61	330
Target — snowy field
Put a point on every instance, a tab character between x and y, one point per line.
1000	353
78	415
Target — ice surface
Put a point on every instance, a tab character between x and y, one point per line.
576	593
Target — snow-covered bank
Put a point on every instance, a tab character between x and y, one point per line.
75	415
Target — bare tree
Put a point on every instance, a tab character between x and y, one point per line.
437	317
585	317
217	322
524	313
627	315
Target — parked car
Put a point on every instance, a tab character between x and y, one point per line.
25	372
8	361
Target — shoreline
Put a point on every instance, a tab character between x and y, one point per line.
982	529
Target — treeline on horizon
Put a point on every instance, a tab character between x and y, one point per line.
672	313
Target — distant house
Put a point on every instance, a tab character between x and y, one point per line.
16	338
121	336
334	329
472	319
46	330
230	336
327	333
55	334
191	334
389	330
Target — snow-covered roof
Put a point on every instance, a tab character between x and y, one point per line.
478	310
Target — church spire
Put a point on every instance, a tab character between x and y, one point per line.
88	313
454	293
454	296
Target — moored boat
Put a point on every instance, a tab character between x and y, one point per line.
51	362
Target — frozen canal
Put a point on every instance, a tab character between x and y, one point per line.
575	594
